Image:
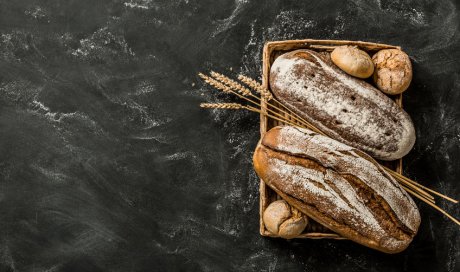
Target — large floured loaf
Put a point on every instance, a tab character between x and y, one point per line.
345	108
339	186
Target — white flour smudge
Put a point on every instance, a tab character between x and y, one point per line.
416	16
229	22
340	25
144	87
23	92
103	44
181	156
39	108
37	13
286	25
139	4
52	175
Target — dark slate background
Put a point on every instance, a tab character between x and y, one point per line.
108	164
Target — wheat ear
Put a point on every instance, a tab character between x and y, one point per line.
237	87
264	92
227	106
222	82
256	86
269	96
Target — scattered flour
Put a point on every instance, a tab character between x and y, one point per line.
230	21
52	175
103	45
139	4
37	13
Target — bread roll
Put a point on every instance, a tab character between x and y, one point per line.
353	61
393	71
345	108
284	220
338	186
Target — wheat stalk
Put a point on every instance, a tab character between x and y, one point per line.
237	87
256	86
227	106
400	177
236	106
216	84
228	85
231	83
268	96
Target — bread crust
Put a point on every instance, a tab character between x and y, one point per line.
345	108
353	61
393	71
338	186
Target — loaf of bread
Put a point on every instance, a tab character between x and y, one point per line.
338	186
343	107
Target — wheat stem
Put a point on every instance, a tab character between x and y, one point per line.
256	86
408	180
438	209
230	86
276	118
237	87
264	92
410	191
228	106
236	106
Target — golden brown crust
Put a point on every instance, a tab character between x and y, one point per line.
296	182
343	107
275	214
353	61
393	71
283	220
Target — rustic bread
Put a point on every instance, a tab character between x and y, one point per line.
393	71
339	186
345	108
353	61
284	220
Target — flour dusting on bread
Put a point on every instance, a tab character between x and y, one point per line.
345	108
298	141
342	187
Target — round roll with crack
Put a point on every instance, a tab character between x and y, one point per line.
283	220
338	186
393	71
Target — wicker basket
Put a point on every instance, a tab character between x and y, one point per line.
271	51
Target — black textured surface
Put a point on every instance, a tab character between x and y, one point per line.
107	163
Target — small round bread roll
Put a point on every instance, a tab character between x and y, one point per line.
393	71
353	61
284	220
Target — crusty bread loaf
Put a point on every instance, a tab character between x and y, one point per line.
339	186
345	108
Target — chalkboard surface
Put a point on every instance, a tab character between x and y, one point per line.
108	164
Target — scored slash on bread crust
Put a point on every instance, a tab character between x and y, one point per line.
343	107
338	186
